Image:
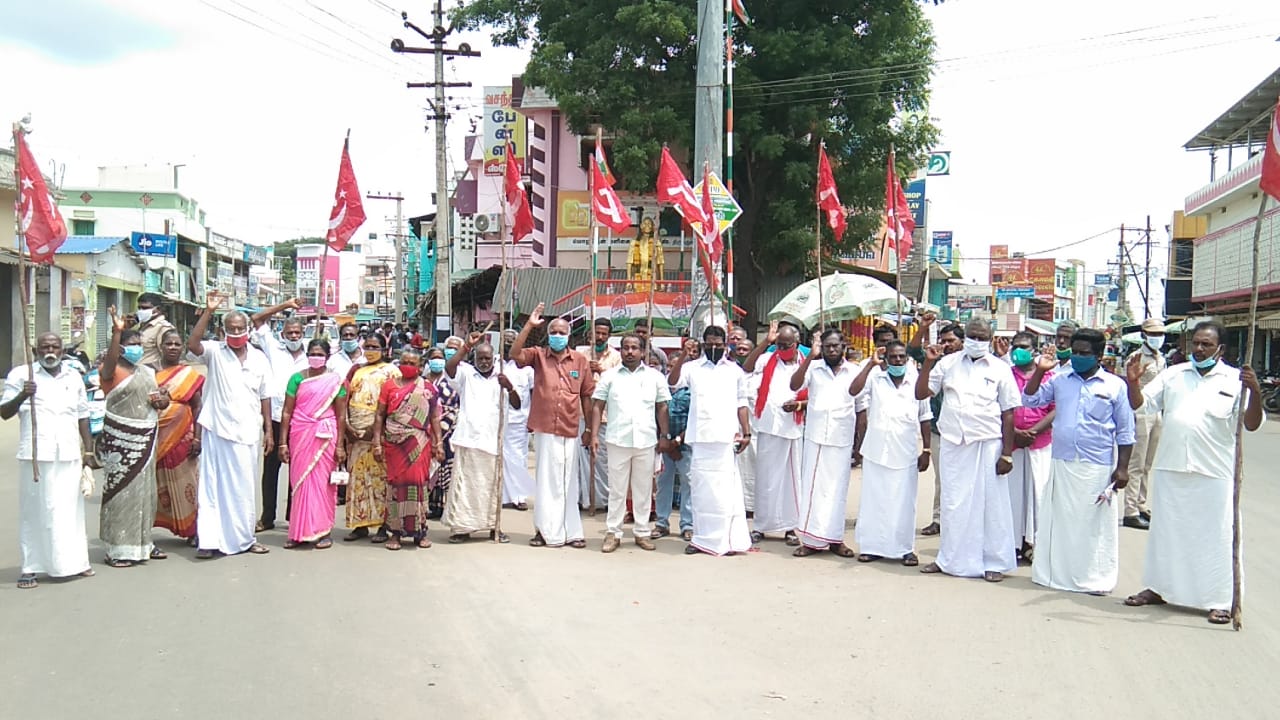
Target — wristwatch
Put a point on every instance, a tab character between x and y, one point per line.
1007	458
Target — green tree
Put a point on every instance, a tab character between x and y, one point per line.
844	71
286	258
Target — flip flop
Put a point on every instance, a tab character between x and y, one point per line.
1146	597
204	554
805	551
119	563
289	544
579	544
158	554
910	560
992	577
324	544
392	544
842	550
931	569
258	549
537	541
88	573
522	507
1219	617
424	542
27	581
865	558
791	539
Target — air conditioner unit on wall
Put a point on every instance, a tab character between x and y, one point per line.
487	222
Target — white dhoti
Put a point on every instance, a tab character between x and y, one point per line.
517	482
555	505
1078	543
977	527
823	493
225	515
472	502
777	483
51	530
887	510
1027	482
719	515
1189	547
747	474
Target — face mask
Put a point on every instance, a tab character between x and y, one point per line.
350	346
1083	364
715	355
50	362
449	353
373	356
1064	354
1155	342
144	316
235	342
293	346
601	347
786	356
976	348
132	353
558	342
316	361
1021	356
435	365
1205	364
408	372
896	371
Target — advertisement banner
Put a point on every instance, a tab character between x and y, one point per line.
999	252
1008	271
1015	291
1103	279
1040	272
915	201
502	124
154	244
941	249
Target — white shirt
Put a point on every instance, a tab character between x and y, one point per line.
716	391
234	392
773	419
631	399
341	363
478	406
283	367
977	391
831	414
522	381
893	422
60	404
1199	416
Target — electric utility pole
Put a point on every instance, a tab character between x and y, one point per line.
708	131
397	242
440	115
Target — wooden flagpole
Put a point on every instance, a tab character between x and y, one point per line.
591	341
498	480
324	262
27	300
817	245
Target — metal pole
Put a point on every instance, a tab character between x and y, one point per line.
708	114
1146	275
444	265
728	151
502	366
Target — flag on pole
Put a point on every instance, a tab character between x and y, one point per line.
674	189
1271	158
519	216
347	214
828	199
740	10
605	204
898	220
710	230
603	165
38	218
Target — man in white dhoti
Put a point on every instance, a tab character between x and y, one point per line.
1032	458
595	465
287	357
716	433
830	426
236	421
1189	552
746	460
562	387
977	449
898	424
1077	543
951	339
779	442
1137	514
517	482
51	532
635	396
472	503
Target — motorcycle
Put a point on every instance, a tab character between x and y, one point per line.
1270	383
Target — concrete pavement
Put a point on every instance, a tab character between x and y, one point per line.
488	631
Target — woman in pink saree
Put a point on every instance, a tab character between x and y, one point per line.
312	432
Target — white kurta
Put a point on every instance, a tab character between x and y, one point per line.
977	527
1189	548
890	453
1031	469
719	516
1078	543
555	507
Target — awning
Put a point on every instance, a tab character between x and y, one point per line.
1040	327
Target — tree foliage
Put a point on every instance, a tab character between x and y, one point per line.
286	258
852	73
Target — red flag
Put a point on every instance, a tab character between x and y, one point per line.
740	10
1271	158
898	220
828	199
348	209
518	213
710	231
674	189
38	218
605	204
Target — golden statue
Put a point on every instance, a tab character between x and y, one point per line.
645	261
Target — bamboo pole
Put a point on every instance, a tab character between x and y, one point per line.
817	242
595	259
502	364
27	301
891	193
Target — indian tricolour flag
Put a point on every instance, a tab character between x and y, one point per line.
740	10
603	165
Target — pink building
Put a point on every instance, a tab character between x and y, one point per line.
317	296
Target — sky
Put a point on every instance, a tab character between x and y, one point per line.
1064	120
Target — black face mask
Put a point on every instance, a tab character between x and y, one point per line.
715	355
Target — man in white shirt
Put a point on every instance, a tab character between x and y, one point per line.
1189	552
1146	428
715	434
779	434
472	502
829	429
236	420
897	425
51	532
350	351
287	357
594	466
636	397
517	481
977	431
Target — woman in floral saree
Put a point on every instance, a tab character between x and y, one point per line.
313	442
367	493
177	442
407	436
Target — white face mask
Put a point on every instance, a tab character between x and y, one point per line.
1155	342
976	348
293	346
144	316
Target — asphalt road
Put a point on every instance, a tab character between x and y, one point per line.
487	631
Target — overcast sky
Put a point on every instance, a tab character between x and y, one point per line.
1063	119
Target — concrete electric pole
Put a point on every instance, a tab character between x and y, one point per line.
440	115
397	241
708	133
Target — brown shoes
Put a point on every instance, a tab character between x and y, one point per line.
610	544
645	543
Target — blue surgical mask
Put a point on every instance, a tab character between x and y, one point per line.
132	353
558	342
896	370
1205	364
435	365
350	346
1083	364
449	353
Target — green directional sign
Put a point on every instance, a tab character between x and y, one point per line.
727	209
940	163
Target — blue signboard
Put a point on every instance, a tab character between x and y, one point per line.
1015	291
255	255
915	201
154	244
941	251
1103	280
